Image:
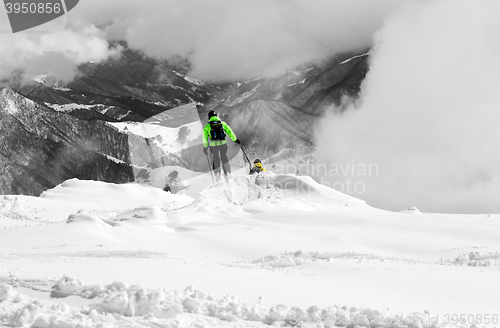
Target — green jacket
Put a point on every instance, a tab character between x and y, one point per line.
206	133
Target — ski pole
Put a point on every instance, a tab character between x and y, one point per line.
210	168
246	157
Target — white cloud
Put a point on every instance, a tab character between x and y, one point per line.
429	111
224	39
228	40
57	51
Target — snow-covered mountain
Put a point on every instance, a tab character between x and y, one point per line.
41	147
274	114
131	87
127	116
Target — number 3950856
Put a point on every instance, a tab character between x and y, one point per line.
33	8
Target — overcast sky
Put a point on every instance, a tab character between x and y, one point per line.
223	39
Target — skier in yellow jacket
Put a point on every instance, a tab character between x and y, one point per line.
257	167
216	130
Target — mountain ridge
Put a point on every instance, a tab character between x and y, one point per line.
40	148
268	115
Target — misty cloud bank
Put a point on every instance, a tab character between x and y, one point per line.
429	112
223	39
58	52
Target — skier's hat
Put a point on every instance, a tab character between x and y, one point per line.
257	161
211	113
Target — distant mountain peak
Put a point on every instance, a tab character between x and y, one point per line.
49	80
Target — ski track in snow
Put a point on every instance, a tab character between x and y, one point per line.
272	240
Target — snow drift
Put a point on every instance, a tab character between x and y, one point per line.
305	249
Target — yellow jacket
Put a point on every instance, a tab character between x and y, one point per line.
257	167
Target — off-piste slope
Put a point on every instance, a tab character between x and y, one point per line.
268	239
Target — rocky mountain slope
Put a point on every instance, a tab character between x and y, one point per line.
51	132
284	110
129	88
40	148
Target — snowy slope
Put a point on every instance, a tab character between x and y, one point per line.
284	246
169	139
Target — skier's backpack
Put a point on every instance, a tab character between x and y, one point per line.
217	131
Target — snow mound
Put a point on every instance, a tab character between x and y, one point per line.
7	293
109	196
142	214
412	210
282	191
292	259
287	259
120	305
306	187
66	286
476	259
247	194
83	217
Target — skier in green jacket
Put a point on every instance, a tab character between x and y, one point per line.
216	131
